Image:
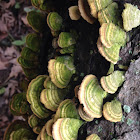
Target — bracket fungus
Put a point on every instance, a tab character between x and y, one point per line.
66	109
111	82
97	5
85	11
36	20
33	97
111	35
66	129
91	95
43	5
109	14
48	127
18	130
52	96
74	13
112	111
54	21
131	17
93	137
83	114
110	54
66	39
61	70
19	105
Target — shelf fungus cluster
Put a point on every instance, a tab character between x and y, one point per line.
46	107
29	59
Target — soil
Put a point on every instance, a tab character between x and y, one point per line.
87	60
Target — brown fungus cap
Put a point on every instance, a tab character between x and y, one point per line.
74	13
85	11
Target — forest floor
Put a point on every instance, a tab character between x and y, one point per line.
14	28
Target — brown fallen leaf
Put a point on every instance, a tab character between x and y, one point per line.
6	5
24	19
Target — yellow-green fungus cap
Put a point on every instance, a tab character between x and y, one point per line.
33	121
66	39
91	96
85	11
66	109
111	35
30	73
111	82
93	137
28	54
44	135
36	20
27	63
54	21
67	50
74	13
83	114
131	16
66	129
110	54
97	5
61	70
33	97
110	14
37	129
19	105
51	98
33	41
16	125
48	127
112	111
22	133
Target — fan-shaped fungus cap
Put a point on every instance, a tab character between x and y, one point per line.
60	70
36	20
110	54
112	111
33	41
66	109
27	63
109	14
74	13
14	126
91	96
69	49
93	137
66	129
48	127
30	73
33	97
51	98
22	133
111	82
97	5
19	105
131	17
33	121
66	39
54	21
44	135
85	11
28	54
83	114
111	35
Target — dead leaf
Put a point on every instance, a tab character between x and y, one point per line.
3	27
6	5
24	19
